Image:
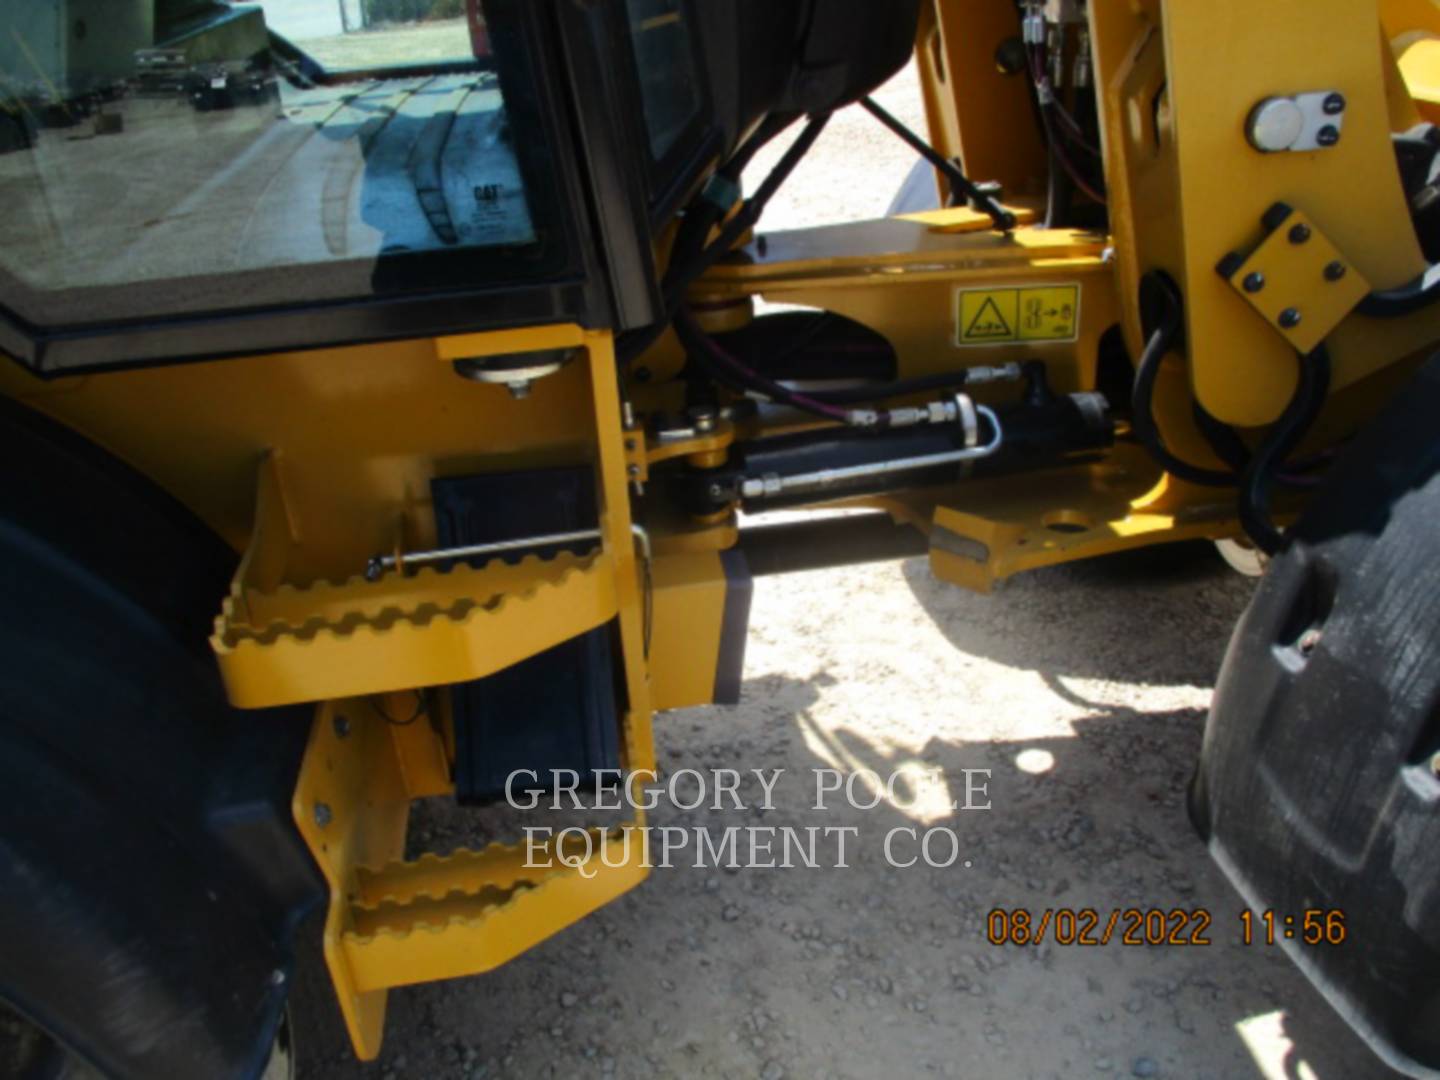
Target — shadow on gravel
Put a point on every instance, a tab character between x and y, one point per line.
876	969
1147	617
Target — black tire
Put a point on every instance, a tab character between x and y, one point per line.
146	826
1318	786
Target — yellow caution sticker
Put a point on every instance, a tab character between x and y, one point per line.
1007	316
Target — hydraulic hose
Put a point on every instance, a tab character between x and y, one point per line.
1406	300
857	395
1255	474
735	373
1279	444
749	214
960	184
1142	418
702	216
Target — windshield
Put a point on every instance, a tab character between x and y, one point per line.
363	35
166	157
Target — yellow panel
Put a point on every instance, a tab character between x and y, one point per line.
902	280
1290	274
975	112
1241	370
363	431
430	646
351	807
442	934
1041	519
689	612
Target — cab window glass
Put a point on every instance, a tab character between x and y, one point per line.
164	157
669	81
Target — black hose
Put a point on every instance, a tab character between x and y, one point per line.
747	217
1059	192
1406	300
960	184
1142	399
705	213
736	374
700	218
856	395
1223	439
1230	448
1282	441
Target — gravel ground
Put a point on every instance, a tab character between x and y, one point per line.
1101	671
1083	689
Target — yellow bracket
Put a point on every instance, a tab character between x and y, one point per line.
1299	282
330	641
284	638
1068	514
392	922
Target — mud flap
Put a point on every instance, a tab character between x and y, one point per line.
1318	787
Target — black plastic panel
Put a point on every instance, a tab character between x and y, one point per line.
557	710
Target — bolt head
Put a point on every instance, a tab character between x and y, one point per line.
1254	282
1290	318
1300	234
1335	271
323	814
342	726
1334	105
1328	135
703	417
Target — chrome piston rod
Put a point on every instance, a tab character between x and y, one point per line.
380	565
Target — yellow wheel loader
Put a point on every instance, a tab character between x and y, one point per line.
391	387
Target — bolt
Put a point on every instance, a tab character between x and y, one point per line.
342	726
520	389
1334	105
1328	135
1254	282
1011	57
1300	234
1308	642
703	417
1290	318
1335	271
277	978
716	491
323	816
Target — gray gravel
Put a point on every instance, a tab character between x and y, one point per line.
877	971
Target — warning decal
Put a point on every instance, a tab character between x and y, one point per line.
1001	316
